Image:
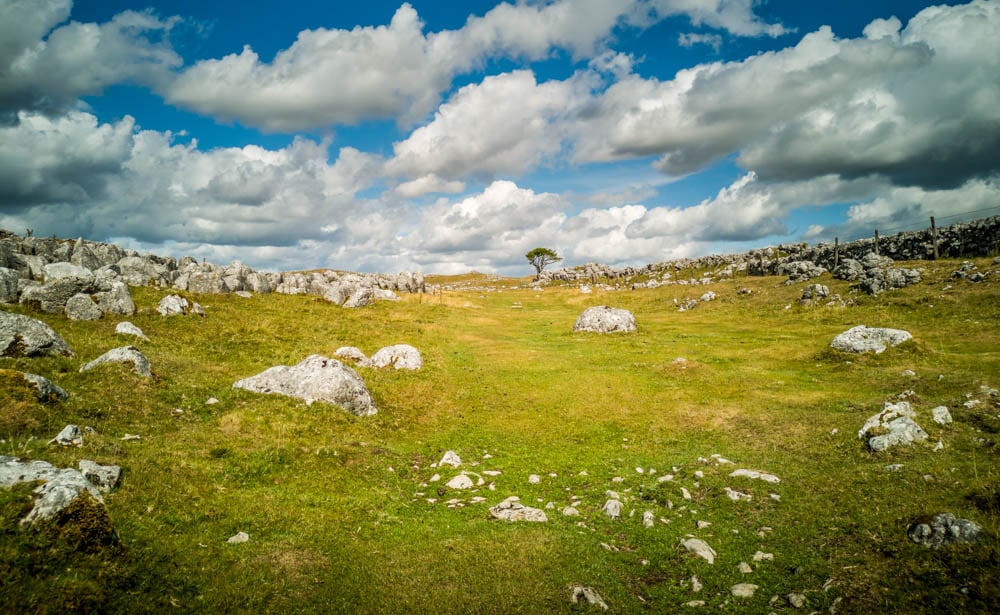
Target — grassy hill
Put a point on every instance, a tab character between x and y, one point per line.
342	514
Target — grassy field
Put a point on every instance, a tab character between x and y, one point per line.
342	516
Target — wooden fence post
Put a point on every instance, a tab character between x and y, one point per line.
876	242
934	238
836	253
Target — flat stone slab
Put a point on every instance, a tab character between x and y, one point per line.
869	339
316	378
511	509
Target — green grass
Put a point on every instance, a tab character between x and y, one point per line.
337	506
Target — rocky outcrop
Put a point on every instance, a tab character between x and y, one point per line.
23	336
875	274
604	319
944	529
60	487
317	378
893	426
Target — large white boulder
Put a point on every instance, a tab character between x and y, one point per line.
604	319
316	378
869	339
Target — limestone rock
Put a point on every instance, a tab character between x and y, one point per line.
126	355
450	458
460	481
238	538
700	548
709	296
744	590
61	488
315	378
941	415
69	436
127	328
893	426
361	297
352	353
944	529
172	305
604	319
46	389
800	271
8	285
868	339
105	478
612	508
511	509
400	356
82	307
815	292
23	336
117	301
754	474
579	594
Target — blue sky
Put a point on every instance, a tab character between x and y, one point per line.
448	137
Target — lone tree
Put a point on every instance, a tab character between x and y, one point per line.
540	258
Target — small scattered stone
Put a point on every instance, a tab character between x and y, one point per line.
736	496
127	328
760	556
461	481
941	415
648	519
579	594
700	548
695	584
534	479
754	474
69	436
570	511
450	458
685	493
695	603
745	568
104	478
613	509
796	600
894	467
743	590
238	538
703	524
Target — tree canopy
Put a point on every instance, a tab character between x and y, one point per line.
540	258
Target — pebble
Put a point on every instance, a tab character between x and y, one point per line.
534	479
238	538
736	496
760	556
797	600
745	568
695	603
695	584
685	493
